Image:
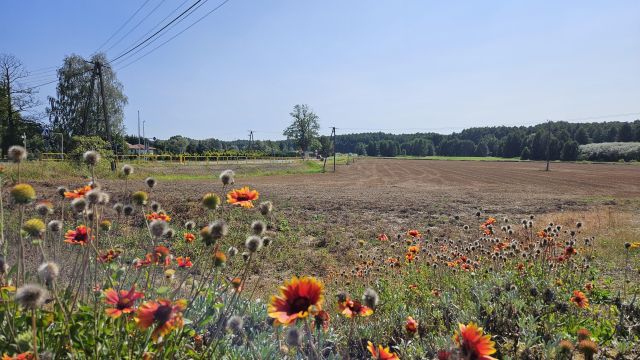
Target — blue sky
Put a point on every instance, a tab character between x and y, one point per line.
399	66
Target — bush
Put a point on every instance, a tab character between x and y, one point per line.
611	151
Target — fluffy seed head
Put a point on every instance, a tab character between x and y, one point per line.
155	206
170	233
127	169
218	229
253	243
266	241
265	207
151	182
211	201
23	194
61	190
4	267
31	296
232	251
190	225
235	324
93	196
227	177
17	153
117	207
79	205
54	226
44	208
48	272
140	198
127	210
33	227
293	337
370	298
105	225
258	227
91	158
104	198
158	228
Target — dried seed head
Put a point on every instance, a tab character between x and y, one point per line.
127	210
170	233
117	207
127	169
253	243
33	227
140	198
158	228
151	182
23	194
54	226
91	158
235	324
266	241
155	206
44	208
61	190
218	229
232	251
293	337
190	225
370	298
211	201
342	296
48	272
31	296
258	227
93	196
17	153
265	207
79	205
227	177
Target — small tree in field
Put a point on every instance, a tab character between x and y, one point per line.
304	128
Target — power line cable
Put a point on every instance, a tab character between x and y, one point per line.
130	56
156	33
176	35
135	26
122	26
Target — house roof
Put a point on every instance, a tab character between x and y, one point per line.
139	147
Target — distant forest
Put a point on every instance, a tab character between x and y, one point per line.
566	142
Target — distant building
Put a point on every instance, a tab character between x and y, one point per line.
140	149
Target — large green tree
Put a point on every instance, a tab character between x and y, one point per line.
304	127
77	108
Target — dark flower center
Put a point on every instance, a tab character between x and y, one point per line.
299	304
163	314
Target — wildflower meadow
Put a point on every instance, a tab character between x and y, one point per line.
93	271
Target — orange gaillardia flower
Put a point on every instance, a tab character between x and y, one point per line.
580	299
122	301
414	233
77	193
22	356
165	314
351	308
411	326
383	237
189	237
109	255
161	256
158	216
184	262
296	299
473	343
381	353
79	236
243	197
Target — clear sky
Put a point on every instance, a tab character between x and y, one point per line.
400	66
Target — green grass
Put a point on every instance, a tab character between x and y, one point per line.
458	158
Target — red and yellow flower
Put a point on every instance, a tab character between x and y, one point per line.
79	236
579	299
163	313
161	256
158	216
350	308
473	343
411	325
414	233
383	237
109	255
298	297
23	356
243	197
189	237
184	262
122	301
78	193
381	353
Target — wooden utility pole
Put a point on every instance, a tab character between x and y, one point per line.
85	120
107	126
250	140
548	143
333	135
